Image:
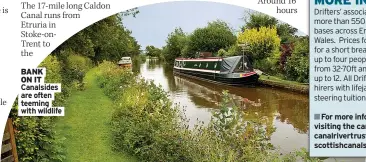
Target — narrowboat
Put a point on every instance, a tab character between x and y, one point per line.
125	62
234	71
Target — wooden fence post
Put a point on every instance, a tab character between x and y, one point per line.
8	147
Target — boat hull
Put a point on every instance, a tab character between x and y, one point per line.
233	79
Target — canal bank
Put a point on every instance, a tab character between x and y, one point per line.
271	81
285	113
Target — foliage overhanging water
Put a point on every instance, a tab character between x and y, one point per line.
285	114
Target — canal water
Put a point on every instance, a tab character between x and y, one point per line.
286	113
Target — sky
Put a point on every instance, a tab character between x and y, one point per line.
154	22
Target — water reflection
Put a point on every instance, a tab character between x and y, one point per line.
285	114
153	64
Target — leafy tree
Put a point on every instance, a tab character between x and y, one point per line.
133	48
149	51
286	32
133	12
261	43
153	51
297	66
215	36
174	45
256	20
106	39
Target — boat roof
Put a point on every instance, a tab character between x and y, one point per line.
122	61
206	58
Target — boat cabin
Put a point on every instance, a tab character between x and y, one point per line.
235	70
125	62
235	64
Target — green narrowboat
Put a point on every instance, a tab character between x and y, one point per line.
235	70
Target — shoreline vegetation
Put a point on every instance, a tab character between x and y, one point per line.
147	125
275	82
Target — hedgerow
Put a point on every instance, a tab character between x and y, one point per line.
35	136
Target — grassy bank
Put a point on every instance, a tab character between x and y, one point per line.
86	125
283	84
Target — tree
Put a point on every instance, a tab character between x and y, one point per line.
215	36
133	12
263	47
261	43
153	51
255	20
106	39
286	32
297	65
174	45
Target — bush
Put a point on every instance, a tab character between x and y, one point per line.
35	136
286	51
75	68
36	139
222	53
147	125
113	86
234	50
297	65
53	75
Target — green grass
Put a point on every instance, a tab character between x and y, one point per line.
85	125
284	84
277	79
